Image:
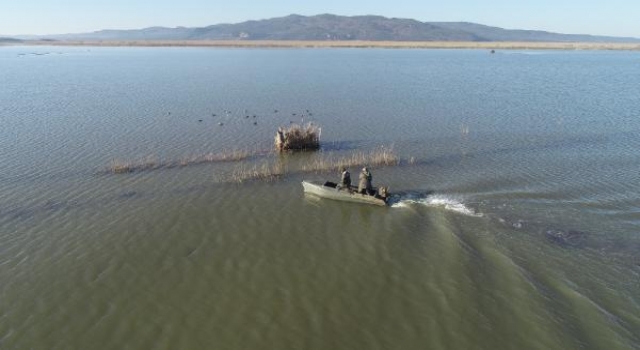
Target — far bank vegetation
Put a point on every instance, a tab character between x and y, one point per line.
483	45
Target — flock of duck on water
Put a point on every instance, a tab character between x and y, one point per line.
229	113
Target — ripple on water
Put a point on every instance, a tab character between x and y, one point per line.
173	258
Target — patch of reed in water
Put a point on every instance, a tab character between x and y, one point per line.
153	163
267	171
379	157
298	137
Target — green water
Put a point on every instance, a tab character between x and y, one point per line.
521	233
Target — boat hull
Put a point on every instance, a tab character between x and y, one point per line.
326	190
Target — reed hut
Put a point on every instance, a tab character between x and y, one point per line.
298	137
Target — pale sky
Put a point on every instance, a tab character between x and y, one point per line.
611	17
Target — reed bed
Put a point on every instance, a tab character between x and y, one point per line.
153	163
378	157
298	137
267	171
272	170
224	156
129	166
504	45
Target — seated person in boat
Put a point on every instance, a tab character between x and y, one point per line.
364	185
345	181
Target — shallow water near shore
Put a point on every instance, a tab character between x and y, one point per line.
514	223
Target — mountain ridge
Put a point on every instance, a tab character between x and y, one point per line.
330	27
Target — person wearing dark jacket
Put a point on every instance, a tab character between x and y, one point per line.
345	181
364	185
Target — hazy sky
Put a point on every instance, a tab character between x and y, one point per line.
610	17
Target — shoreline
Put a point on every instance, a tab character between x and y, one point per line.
340	44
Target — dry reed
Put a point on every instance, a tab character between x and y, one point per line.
379	157
298	137
266	171
224	156
488	45
152	162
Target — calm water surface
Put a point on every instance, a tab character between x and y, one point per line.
515	225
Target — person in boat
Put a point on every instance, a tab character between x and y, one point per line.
345	180
364	185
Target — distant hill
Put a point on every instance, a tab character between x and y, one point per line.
9	40
333	27
500	34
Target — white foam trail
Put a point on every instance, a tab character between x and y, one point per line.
436	201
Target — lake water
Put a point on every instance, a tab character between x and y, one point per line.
516	221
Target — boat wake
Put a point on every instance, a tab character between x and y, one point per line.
435	201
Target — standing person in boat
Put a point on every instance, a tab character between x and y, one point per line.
364	185
345	181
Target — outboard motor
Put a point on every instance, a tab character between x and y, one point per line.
383	192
